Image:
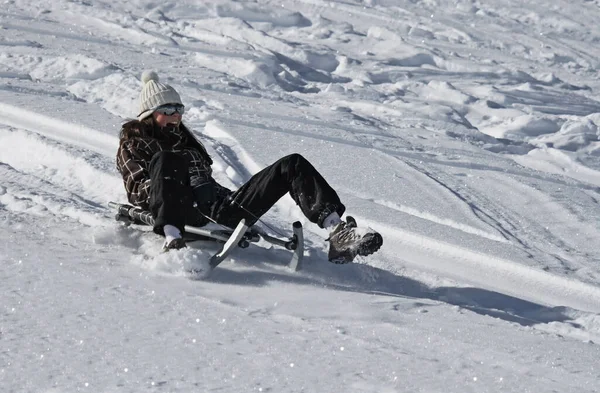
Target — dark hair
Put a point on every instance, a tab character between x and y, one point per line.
135	127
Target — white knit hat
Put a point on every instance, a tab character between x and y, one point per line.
155	94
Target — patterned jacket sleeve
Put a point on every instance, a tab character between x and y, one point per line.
134	170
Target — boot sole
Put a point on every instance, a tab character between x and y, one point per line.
370	244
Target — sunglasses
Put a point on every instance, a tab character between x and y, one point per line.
170	110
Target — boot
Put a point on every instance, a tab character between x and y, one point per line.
346	241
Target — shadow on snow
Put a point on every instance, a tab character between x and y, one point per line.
360	278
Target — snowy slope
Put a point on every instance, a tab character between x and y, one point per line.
466	133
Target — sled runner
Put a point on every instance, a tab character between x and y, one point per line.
241	236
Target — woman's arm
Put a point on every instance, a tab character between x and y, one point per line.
134	170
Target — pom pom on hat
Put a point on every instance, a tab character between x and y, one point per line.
155	94
148	76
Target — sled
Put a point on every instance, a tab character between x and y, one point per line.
241	236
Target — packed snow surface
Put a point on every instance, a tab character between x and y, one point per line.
466	132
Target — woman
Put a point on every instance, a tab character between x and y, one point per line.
168	172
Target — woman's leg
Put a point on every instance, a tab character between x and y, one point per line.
170	192
293	174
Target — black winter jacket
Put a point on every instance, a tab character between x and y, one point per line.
136	151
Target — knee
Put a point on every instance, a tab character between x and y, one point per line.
295	158
292	165
297	163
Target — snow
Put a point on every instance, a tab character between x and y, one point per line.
465	132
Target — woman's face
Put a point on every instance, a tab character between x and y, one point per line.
164	120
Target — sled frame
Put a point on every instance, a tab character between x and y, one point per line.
241	236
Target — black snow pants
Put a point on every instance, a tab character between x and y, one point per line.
172	200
